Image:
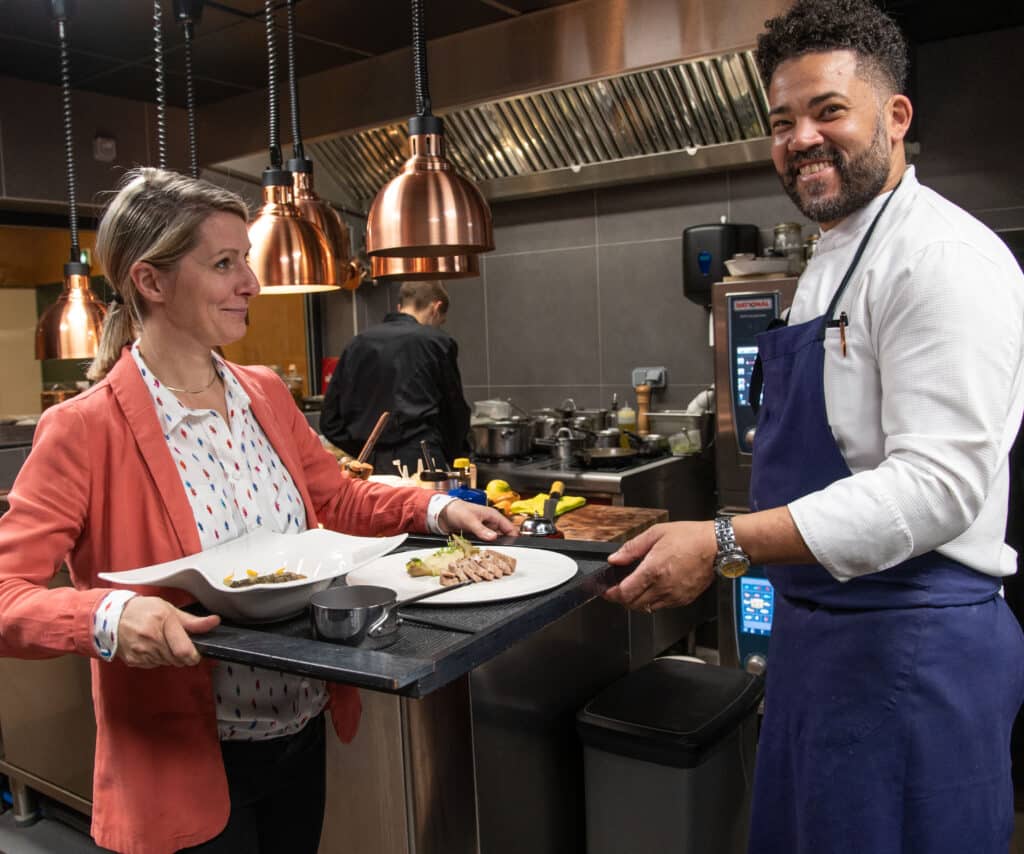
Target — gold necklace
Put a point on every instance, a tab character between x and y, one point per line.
213	379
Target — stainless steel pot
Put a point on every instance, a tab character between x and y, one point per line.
568	443
362	615
607	438
545	427
503	439
594	420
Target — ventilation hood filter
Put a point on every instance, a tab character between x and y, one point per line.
649	123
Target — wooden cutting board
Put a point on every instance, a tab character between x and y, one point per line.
606	523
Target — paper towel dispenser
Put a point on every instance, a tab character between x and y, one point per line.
706	248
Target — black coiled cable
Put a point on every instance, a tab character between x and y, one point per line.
69	145
419	56
293	85
275	138
190	102
161	94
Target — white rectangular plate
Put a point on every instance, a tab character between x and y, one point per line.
319	554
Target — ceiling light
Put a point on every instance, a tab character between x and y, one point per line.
71	327
311	207
428	210
289	253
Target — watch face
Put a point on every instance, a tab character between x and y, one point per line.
733	567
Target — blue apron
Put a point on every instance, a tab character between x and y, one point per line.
890	697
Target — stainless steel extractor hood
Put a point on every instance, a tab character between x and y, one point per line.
589	94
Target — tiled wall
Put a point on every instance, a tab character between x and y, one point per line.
582	288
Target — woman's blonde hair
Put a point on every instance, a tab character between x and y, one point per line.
155	217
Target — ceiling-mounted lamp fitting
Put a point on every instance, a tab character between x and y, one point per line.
72	326
348	273
289	254
428	210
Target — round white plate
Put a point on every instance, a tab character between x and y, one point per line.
537	570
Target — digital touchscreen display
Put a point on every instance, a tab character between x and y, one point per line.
757	602
749	315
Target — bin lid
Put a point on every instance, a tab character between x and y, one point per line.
670	712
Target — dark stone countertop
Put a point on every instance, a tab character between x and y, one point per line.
435	645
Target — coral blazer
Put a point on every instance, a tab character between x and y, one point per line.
99	490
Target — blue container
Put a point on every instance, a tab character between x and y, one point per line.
474	496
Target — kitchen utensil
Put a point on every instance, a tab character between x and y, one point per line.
543	524
568	443
440	480
428	461
503	439
363	615
608	438
373	437
607	456
651	445
319	554
537	570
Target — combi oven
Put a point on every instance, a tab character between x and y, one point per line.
740	311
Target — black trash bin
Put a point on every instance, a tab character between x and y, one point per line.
669	760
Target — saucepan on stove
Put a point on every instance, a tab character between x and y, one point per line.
651	445
510	437
607	456
362	615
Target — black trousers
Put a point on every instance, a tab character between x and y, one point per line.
277	795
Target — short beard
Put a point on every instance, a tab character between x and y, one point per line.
861	179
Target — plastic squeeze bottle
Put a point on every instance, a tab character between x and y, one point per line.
627	421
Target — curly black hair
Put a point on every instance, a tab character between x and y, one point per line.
813	26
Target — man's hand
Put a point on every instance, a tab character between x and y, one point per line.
153	633
484	523
676	566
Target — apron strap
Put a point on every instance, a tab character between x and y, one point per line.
830	313
757	372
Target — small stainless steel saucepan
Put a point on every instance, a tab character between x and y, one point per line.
362	615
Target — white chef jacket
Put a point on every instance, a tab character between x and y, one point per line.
926	403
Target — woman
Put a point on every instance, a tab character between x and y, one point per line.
173	451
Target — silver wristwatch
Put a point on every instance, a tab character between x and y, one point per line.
731	561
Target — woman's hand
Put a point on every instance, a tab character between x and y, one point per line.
676	566
484	523
153	633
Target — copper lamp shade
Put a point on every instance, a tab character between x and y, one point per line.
425	269
428	210
348	273
289	254
71	327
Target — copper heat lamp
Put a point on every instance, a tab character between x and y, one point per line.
289	254
348	273
71	327
428	211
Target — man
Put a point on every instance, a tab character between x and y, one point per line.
408	367
879	481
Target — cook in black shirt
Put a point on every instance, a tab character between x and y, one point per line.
408	366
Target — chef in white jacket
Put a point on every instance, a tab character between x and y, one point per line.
891	401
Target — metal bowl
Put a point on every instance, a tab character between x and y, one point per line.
363	615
